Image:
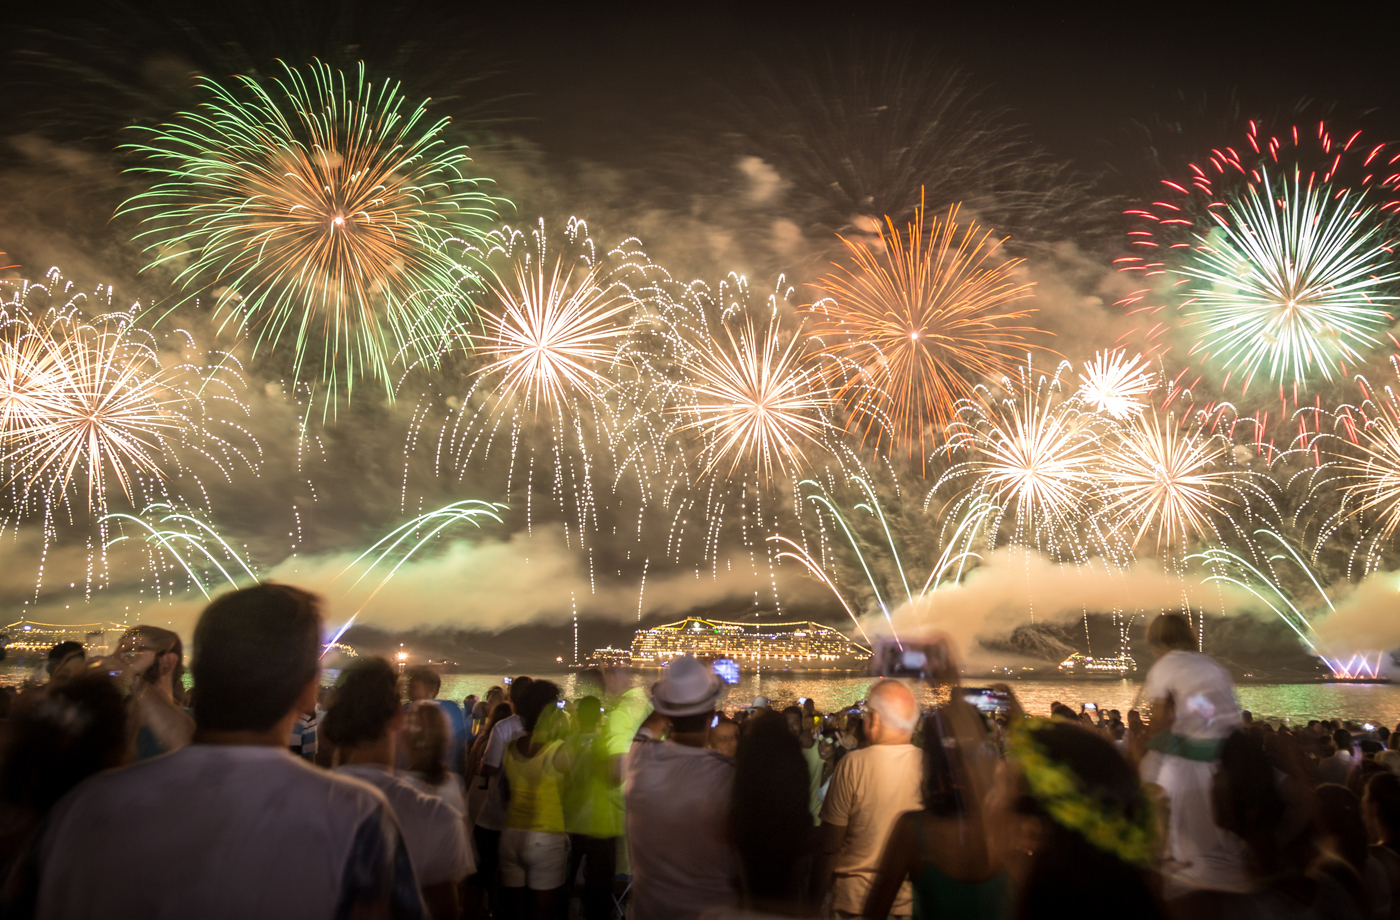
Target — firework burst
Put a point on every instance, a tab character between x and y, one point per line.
1156	476
84	402
553	334
755	400
912	328
318	206
1279	269
97	400
1029	452
1115	385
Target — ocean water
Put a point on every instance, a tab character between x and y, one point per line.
1379	703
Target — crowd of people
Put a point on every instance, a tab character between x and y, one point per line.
253	790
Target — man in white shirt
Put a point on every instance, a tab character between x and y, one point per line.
487	833
870	788
363	724
245	829
678	805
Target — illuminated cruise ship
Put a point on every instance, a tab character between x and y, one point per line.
1087	666
26	639
793	645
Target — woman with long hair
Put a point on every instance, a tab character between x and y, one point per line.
426	734
534	842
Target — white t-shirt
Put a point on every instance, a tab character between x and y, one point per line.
678	831
434	833
1201	692
210	831
493	813
870	788
451	790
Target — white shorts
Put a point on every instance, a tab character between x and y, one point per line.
533	859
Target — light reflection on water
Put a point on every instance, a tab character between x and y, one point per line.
1299	702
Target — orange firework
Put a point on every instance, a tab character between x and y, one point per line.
916	324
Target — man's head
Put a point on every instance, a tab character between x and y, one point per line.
793	715
1170	632
153	655
589	712
366	704
423	683
257	654
687	694
517	689
724	737
1342	739
64	654
893	713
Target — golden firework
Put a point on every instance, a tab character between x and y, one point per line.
755	399
552	333
916	323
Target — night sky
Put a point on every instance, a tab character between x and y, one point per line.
616	110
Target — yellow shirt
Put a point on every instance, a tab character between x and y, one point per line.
535	800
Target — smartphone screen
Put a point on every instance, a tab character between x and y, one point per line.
727	669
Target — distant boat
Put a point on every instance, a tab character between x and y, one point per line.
1079	665
785	646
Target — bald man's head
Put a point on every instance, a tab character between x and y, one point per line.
893	702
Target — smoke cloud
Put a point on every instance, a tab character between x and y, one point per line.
1014	584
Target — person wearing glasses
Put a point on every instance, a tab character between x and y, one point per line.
150	661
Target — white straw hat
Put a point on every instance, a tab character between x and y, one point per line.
687	688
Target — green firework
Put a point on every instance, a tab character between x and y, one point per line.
320	207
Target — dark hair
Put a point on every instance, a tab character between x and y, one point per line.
1339	812
1069	870
60	653
366	701
589	711
769	810
255	652
944	771
1383	793
59	736
1171	631
426	676
532	701
691	725
1342	739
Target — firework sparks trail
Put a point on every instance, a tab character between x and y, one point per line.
1292	280
182	535
563	386
320	206
418	532
1115	385
953	559
104	409
911	329
756	400
90	401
